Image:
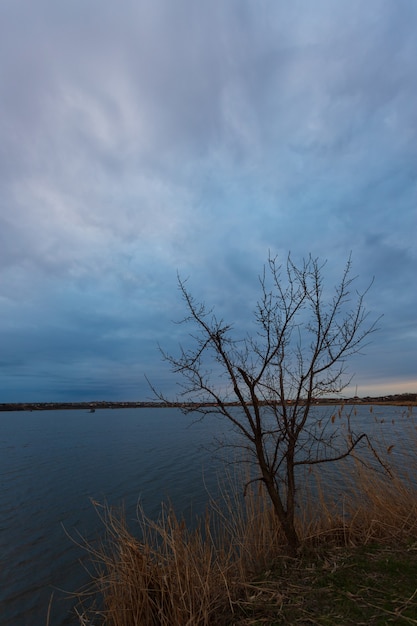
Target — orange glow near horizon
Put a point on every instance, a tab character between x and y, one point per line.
387	388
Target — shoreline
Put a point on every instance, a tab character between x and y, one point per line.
397	400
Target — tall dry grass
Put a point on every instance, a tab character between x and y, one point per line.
175	576
171	576
373	507
378	498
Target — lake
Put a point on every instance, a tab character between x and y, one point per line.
53	463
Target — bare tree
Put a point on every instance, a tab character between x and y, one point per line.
296	355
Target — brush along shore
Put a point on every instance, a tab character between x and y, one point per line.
357	563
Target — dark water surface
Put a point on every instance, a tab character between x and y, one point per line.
52	463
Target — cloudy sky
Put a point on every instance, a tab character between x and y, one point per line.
141	138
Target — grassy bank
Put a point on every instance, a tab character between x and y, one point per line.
357	564
350	585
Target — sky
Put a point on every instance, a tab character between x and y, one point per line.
143	138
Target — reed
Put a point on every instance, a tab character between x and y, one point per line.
176	576
172	575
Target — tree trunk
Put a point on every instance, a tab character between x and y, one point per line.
285	518
293	541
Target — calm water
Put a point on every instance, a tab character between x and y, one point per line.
52	463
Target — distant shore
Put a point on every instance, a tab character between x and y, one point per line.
407	399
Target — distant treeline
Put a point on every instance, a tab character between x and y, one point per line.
398	399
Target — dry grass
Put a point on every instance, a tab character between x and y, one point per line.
174	576
171	576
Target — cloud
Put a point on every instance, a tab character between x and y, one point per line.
140	139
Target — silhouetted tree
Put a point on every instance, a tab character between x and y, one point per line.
296	355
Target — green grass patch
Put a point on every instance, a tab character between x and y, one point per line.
373	584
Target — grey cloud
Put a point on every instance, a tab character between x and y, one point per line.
138	138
